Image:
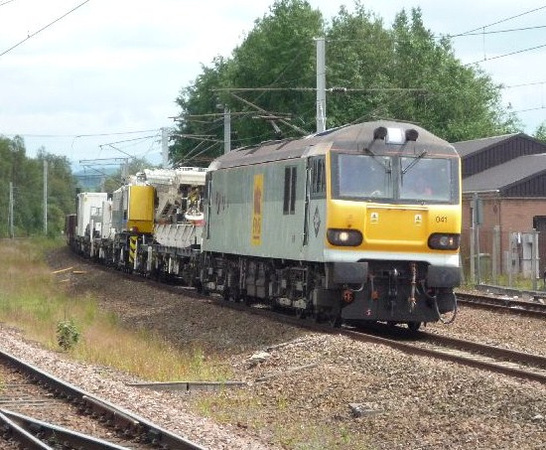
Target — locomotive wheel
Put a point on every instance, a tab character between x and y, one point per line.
414	326
236	295
201	289
244	298
335	320
226	295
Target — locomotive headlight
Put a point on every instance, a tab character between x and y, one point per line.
348	238
440	241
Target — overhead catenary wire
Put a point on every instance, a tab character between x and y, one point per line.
504	55
43	28
79	135
131	140
533	83
481	31
311	89
187	159
537	108
508	30
499	21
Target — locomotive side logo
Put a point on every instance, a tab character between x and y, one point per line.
257	209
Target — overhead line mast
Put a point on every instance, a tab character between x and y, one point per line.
321	85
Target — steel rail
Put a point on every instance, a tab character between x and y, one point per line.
116	415
512	306
476	357
472	354
475	354
20	435
55	434
537	361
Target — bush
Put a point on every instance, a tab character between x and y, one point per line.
67	334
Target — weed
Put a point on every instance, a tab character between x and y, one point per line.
67	334
30	299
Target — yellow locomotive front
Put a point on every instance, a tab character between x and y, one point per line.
393	226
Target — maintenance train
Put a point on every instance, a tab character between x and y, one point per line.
355	224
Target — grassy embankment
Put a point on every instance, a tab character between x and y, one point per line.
32	300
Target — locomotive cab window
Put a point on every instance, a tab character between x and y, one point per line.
318	178
289	203
426	179
362	176
409	179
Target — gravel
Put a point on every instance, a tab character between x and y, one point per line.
504	330
307	390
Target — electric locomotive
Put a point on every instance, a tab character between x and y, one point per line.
358	223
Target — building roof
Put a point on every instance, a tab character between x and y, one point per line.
465	148
507	174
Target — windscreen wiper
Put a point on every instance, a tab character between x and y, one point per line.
411	164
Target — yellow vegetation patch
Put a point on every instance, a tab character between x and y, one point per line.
33	300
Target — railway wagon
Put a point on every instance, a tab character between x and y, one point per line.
359	223
178	224
132	220
151	225
87	224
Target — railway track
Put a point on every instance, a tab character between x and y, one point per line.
460	351
503	304
468	353
31	395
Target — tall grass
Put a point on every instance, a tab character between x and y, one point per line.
33	300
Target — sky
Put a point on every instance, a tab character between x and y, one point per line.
94	80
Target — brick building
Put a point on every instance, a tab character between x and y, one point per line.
507	176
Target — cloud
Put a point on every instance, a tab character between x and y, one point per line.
118	66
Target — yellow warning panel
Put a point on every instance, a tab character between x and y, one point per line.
132	248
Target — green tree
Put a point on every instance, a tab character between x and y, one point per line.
540	132
402	73
454	101
5	178
276	58
198	138
358	56
26	176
